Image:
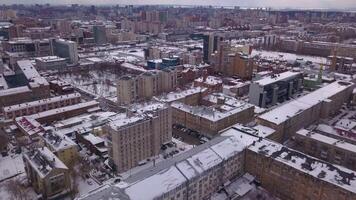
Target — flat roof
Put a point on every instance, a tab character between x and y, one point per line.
171	173
41	102
276	77
211	113
333	174
293	108
13	91
327	140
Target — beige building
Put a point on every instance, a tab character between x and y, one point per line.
126	90
145	85
29	108
292	116
193	175
191	96
242	66
289	174
47	174
326	148
139	135
36	86
221	112
61	146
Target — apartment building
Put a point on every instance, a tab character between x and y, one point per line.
326	148
47	174
52	115
192	175
29	85
289	174
139	135
145	85
61	146
191	96
274	89
241	66
299	113
219	112
232	61
29	108
214	84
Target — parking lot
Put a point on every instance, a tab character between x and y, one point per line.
187	135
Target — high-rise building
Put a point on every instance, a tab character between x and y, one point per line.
99	32
210	45
242	66
66	49
126	90
139	135
145	86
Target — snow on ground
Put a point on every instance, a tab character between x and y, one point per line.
5	195
10	166
86	185
288	56
182	146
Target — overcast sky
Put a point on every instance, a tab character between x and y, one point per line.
336	4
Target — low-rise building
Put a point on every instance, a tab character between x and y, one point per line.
219	112
61	146
47	174
29	108
289	174
301	112
93	143
191	96
214	84
30	85
65	112
326	148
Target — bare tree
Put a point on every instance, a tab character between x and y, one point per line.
17	190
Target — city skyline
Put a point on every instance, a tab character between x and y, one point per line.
319	4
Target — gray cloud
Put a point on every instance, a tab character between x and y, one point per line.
338	4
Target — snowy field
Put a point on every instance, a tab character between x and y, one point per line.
101	83
288	56
10	166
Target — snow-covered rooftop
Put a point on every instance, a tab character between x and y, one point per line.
211	113
12	91
64	109
258	130
44	161
327	140
147	107
210	80
277	77
178	95
293	108
56	140
169	174
41	102
334	174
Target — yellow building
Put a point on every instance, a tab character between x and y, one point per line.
62	146
48	175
